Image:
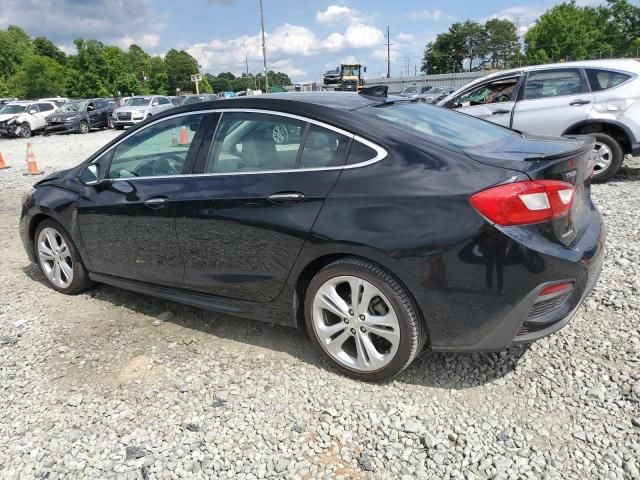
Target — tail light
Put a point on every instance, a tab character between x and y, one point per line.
520	203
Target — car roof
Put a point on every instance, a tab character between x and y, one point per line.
335	100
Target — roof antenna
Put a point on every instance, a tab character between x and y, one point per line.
377	92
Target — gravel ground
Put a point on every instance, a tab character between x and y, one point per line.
112	384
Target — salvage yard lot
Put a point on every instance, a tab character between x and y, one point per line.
113	384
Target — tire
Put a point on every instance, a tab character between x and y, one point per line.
110	124
119	127
349	335
84	127
25	131
79	281
609	157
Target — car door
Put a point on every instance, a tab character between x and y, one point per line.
126	219
261	184
493	100
552	100
93	113
44	110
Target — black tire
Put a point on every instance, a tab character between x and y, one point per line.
413	330
119	127
617	157
81	281
26	132
110	124
84	127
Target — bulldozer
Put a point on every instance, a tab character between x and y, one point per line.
351	77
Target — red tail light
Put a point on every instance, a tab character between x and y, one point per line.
520	203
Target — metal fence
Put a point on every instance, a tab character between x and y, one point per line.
398	84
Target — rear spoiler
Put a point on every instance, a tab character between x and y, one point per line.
587	141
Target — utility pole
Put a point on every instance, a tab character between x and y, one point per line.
246	62
264	50
388	53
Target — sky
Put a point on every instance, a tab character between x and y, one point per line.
304	38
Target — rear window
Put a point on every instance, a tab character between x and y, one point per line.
604	79
453	128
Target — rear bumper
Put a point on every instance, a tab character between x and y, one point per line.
495	308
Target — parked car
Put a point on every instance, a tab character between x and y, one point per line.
177	100
205	97
599	98
386	226
435	94
59	101
81	116
4	101
23	119
415	91
138	109
332	77
227	95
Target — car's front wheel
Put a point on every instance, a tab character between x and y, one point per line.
84	126
25	130
59	260
110	123
363	320
609	157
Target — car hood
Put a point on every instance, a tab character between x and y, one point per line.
7	116
131	109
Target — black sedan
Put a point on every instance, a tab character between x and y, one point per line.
385	226
80	116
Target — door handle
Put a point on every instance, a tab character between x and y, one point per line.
500	112
157	202
286	198
579	102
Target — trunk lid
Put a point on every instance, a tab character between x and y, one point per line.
568	160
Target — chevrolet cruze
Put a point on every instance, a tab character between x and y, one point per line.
383	226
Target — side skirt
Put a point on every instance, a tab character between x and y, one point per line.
257	311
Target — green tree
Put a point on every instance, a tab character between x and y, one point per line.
445	54
39	76
158	78
15	46
278	78
45	47
623	27
205	86
127	84
180	66
567	32
502	47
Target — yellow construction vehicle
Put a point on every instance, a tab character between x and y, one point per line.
351	77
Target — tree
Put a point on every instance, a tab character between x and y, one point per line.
45	47
501	43
180	66
138	62
278	78
127	84
39	76
445	54
15	45
567	32
623	27
473	36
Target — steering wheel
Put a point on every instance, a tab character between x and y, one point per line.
168	164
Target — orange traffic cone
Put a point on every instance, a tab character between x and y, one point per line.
184	138
3	165
174	138
32	166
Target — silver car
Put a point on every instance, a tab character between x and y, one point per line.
599	98
138	109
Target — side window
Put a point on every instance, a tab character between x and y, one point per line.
604	79
553	83
45	107
158	150
254	142
33	108
163	101
498	91
359	152
323	148
100	104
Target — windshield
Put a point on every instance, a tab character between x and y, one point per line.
436	90
73	107
456	129
350	70
8	109
138	102
198	99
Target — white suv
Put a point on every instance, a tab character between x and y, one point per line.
23	119
593	97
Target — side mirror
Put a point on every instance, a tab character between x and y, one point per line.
89	174
32	111
155	104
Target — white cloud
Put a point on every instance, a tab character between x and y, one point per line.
363	36
434	15
338	14
349	59
148	40
405	38
333	43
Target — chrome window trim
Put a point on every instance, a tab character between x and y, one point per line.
381	153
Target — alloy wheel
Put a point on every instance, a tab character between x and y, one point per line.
280	134
84	127
55	257
604	155
355	323
25	130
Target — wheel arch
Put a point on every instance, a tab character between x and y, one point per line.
617	130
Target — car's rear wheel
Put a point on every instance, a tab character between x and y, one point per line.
25	130
84	126
59	260
363	320
110	123
609	157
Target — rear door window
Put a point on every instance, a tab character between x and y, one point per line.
553	83
323	148
605	79
45	107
